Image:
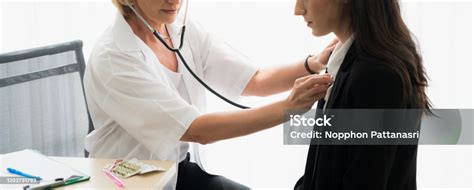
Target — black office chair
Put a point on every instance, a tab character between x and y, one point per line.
42	100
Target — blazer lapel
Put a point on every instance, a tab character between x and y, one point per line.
342	74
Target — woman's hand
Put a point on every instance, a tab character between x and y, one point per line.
307	90
217	126
318	63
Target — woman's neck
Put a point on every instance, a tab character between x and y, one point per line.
140	29
343	33
343	37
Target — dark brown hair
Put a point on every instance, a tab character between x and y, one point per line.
380	32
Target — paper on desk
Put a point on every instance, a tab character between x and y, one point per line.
34	163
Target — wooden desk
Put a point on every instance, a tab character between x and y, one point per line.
93	168
88	166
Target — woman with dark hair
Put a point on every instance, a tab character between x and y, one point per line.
377	66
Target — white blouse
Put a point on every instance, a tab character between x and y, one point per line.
335	61
136	109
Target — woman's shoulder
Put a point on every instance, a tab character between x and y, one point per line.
197	33
107	54
371	68
373	83
195	27
107	60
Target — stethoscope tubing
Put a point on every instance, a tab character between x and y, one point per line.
181	57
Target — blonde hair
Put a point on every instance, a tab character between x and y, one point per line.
122	7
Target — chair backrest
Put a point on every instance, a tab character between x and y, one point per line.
42	102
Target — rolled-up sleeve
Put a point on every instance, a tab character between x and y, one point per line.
149	110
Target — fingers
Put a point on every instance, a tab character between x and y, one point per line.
333	42
298	81
315	90
330	48
317	94
308	90
323	58
324	79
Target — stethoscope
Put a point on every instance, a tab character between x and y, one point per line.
178	52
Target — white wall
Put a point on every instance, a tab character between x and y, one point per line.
268	32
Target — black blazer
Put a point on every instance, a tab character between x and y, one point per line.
362	82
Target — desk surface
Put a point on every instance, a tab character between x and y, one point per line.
93	168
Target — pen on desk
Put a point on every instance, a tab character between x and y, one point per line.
16	172
114	178
57	183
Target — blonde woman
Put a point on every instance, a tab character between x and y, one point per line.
145	105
